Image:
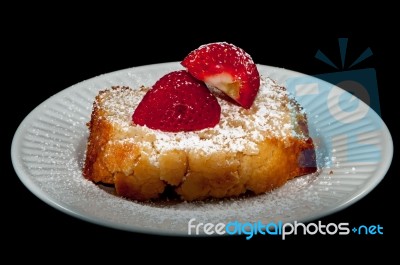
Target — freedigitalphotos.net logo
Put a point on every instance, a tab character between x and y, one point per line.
280	229
341	116
361	83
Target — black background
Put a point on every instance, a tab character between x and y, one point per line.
54	53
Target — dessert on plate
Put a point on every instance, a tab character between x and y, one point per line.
214	130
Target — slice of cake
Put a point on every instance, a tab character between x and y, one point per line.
249	150
202	145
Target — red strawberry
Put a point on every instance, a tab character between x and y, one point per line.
178	102
226	67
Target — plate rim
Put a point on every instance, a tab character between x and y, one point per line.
26	179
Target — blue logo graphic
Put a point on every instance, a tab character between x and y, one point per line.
361	82
337	107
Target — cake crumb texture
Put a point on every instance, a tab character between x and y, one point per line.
255	150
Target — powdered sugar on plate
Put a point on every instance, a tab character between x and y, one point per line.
48	152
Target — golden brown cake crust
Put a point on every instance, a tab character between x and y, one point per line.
130	158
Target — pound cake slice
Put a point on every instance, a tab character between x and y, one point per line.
253	149
211	131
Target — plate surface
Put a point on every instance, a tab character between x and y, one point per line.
354	150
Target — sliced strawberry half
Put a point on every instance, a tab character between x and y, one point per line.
178	102
226	67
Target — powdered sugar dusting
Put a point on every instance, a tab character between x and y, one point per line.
48	152
244	58
239	130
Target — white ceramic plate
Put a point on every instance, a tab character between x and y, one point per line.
354	152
